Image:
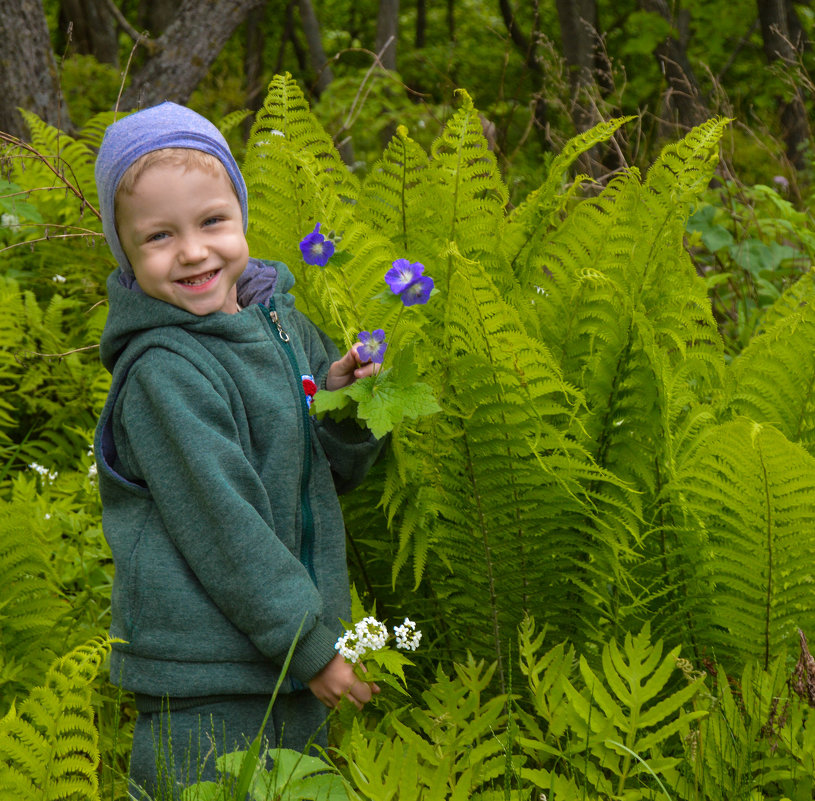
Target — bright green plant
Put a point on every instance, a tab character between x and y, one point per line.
49	746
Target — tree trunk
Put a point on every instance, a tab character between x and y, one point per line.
387	32
685	106
185	51
421	24
28	70
580	40
155	16
319	62
93	29
784	41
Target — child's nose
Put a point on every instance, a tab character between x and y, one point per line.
191	249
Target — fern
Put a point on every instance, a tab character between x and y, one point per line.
48	748
773	378
30	602
532	220
610	727
750	491
294	175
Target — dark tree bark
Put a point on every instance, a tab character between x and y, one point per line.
421	24
185	51
580	42
317	57
683	99
387	32
526	45
93	29
155	16
784	41
28	70
589	76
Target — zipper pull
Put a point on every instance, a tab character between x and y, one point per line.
276	320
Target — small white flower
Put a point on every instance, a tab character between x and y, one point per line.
92	472
371	633
277	133
9	221
407	637
49	475
58	279
350	647
47	516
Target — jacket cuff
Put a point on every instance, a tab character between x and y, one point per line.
312	653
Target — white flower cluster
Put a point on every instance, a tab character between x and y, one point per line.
368	635
49	475
407	637
371	635
9	221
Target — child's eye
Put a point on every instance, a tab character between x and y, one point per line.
156	237
212	220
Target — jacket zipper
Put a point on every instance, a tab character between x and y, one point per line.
307	535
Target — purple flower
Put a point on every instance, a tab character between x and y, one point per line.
402	275
418	292
406	280
373	346
316	249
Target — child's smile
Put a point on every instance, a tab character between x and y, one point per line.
182	231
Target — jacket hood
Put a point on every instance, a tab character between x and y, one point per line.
132	312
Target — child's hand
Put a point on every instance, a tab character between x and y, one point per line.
348	369
337	680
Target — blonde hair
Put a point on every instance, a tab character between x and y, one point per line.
184	157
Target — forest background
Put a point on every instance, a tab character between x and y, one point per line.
625	475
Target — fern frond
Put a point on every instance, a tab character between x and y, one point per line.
30	602
773	378
400	201
521	543
752	492
529	223
49	748
474	195
294	175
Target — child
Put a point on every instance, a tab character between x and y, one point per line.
219	490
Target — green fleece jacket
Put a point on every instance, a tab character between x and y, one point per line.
219	492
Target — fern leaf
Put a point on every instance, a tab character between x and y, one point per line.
474	195
751	491
531	220
294	175
49	749
773	378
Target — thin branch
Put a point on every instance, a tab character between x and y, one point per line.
26	355
15	142
129	29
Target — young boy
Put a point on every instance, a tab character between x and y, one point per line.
219	490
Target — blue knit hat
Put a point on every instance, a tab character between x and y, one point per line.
165	125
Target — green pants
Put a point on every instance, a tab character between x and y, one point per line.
175	748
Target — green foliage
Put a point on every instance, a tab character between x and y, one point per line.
29	599
584	450
450	747
48	748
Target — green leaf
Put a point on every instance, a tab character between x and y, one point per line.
383	403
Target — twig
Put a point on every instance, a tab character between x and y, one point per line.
15	142
49	237
26	355
128	28
124	76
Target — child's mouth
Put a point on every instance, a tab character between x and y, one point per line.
198	280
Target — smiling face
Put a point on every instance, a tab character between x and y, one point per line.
182	231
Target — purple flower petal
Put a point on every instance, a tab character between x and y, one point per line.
418	292
316	249
402	275
373	346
